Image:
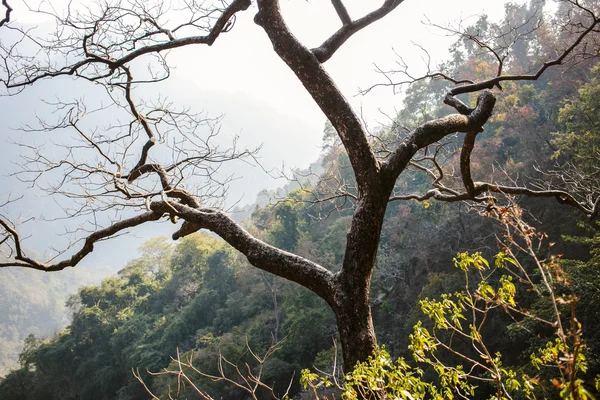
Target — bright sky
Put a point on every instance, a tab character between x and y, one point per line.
243	63
263	75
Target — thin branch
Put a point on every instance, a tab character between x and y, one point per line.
480	188
21	260
221	25
490	83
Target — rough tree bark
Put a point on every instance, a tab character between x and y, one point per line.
347	291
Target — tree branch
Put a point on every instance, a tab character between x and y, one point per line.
432	131
465	162
341	11
21	260
6	18
260	254
490	83
349	28
480	188
561	196
220	26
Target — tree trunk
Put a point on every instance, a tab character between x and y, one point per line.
357	334
352	303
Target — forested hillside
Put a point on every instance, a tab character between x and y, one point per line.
34	303
198	299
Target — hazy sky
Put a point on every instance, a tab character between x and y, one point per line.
241	63
262	100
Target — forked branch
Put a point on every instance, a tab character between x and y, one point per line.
435	130
350	27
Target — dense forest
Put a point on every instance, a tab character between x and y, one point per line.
34	304
198	299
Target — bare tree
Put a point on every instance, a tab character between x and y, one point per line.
103	45
242	375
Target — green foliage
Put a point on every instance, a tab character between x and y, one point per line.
577	143
462	375
309	326
285	222
157	302
578	118
33	303
199	298
396	379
